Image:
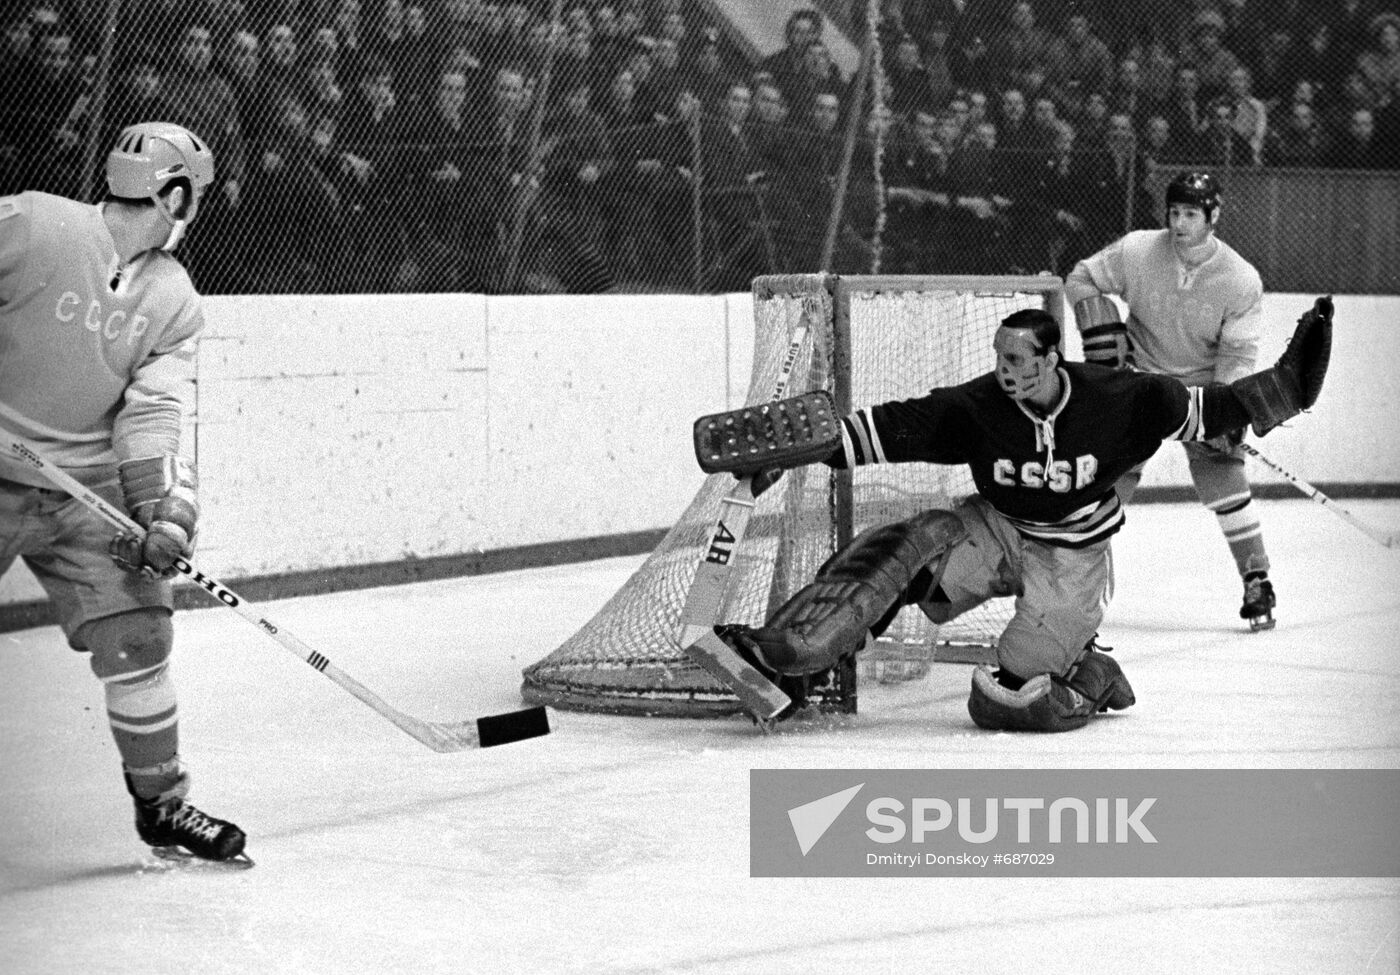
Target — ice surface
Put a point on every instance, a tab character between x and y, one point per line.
621	844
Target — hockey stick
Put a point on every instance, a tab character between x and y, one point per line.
1388	540
705	600
498	729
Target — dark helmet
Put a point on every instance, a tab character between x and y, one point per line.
1194	189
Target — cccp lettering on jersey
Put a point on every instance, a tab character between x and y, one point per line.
1062	477
112	326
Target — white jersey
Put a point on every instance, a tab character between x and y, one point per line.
1197	324
94	369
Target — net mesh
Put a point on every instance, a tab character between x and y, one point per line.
875	339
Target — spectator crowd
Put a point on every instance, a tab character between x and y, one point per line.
460	145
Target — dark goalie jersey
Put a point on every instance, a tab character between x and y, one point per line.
1051	476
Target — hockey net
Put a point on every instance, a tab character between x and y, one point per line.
872	339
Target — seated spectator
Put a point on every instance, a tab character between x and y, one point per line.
1379	64
374	145
1091	127
242	63
981	196
1014	129
293	209
973	65
770	137
453	222
1357	147
818	74
389	36
1221	144
1019	45
911	90
1251	118
1211	59
280	68
1275	66
936	56
1318	60
346	24
204	103
1083	64
1186	114
786	65
658	92
1126	96
418	75
46	133
627	190
323	93
703	74
579	155
1158	144
1299	141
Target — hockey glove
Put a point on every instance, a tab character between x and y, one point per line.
784	434
1293	383
160	494
1106	340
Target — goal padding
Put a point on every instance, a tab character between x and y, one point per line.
876	338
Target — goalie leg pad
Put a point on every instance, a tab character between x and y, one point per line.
832	616
1046	703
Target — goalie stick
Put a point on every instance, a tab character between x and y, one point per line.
1388	540
705	600
498	729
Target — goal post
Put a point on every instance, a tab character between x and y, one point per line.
872	339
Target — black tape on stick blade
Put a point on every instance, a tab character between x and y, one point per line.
502	729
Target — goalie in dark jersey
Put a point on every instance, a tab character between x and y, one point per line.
1045	441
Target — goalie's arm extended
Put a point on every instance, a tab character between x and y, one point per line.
1267	398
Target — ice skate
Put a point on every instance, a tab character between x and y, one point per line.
174	828
1259	601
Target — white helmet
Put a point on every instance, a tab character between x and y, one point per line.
148	157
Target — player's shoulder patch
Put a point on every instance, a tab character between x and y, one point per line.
9	207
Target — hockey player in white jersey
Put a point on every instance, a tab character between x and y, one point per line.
1194	313
98	327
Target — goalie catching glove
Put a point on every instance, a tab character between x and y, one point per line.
761	438
160	495
1106	340
1293	383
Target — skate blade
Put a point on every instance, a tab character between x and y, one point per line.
170	857
1260	623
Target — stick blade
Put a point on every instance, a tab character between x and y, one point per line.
502	729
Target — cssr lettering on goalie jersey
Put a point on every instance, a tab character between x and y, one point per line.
1052	476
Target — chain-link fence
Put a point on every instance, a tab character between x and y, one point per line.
642	145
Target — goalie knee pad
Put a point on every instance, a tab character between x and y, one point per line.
1046	703
853	592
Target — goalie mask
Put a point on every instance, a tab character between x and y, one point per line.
1027	356
149	158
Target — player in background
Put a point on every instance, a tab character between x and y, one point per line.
98	329
1195	313
1045	442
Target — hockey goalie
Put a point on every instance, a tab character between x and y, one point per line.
1045	441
